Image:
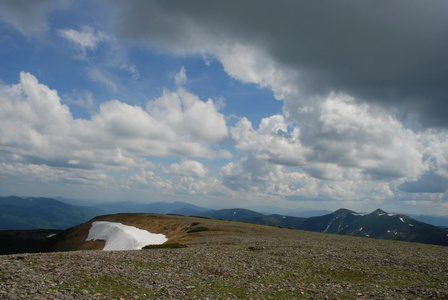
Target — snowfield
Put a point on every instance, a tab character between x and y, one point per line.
123	237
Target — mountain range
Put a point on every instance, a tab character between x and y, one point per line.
177	207
187	209
42	213
377	224
46	213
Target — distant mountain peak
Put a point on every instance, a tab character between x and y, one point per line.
379	212
343	211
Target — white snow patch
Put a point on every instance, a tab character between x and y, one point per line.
50	235
390	215
356	214
401	219
412	225
329	224
123	237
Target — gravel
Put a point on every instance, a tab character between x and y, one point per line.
236	261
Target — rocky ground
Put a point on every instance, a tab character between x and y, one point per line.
235	260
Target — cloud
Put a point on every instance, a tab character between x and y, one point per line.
351	152
188	168
356	136
185	113
48	174
106	67
356	48
427	183
84	100
363	93
102	76
132	69
363	87
191	179
342	135
30	17
36	128
181	77
252	175
84	40
272	141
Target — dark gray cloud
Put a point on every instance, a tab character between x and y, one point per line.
393	53
29	16
428	183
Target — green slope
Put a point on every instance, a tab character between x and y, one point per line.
36	213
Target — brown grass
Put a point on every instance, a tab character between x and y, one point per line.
173	227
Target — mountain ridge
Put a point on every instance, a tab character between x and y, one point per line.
376	224
41	213
48	213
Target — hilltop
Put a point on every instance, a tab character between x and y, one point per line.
227	260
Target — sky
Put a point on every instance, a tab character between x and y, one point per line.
266	105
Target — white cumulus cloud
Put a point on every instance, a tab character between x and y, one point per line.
189	168
37	128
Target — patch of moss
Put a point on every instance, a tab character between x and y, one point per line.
198	229
195	223
109	287
165	246
217	289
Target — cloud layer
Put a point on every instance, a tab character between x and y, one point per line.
363	87
353	77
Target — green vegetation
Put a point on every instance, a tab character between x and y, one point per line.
198	229
110	287
165	246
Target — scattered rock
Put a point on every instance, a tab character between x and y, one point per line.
221	264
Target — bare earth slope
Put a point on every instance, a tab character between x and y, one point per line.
233	260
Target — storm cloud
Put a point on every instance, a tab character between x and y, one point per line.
391	53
